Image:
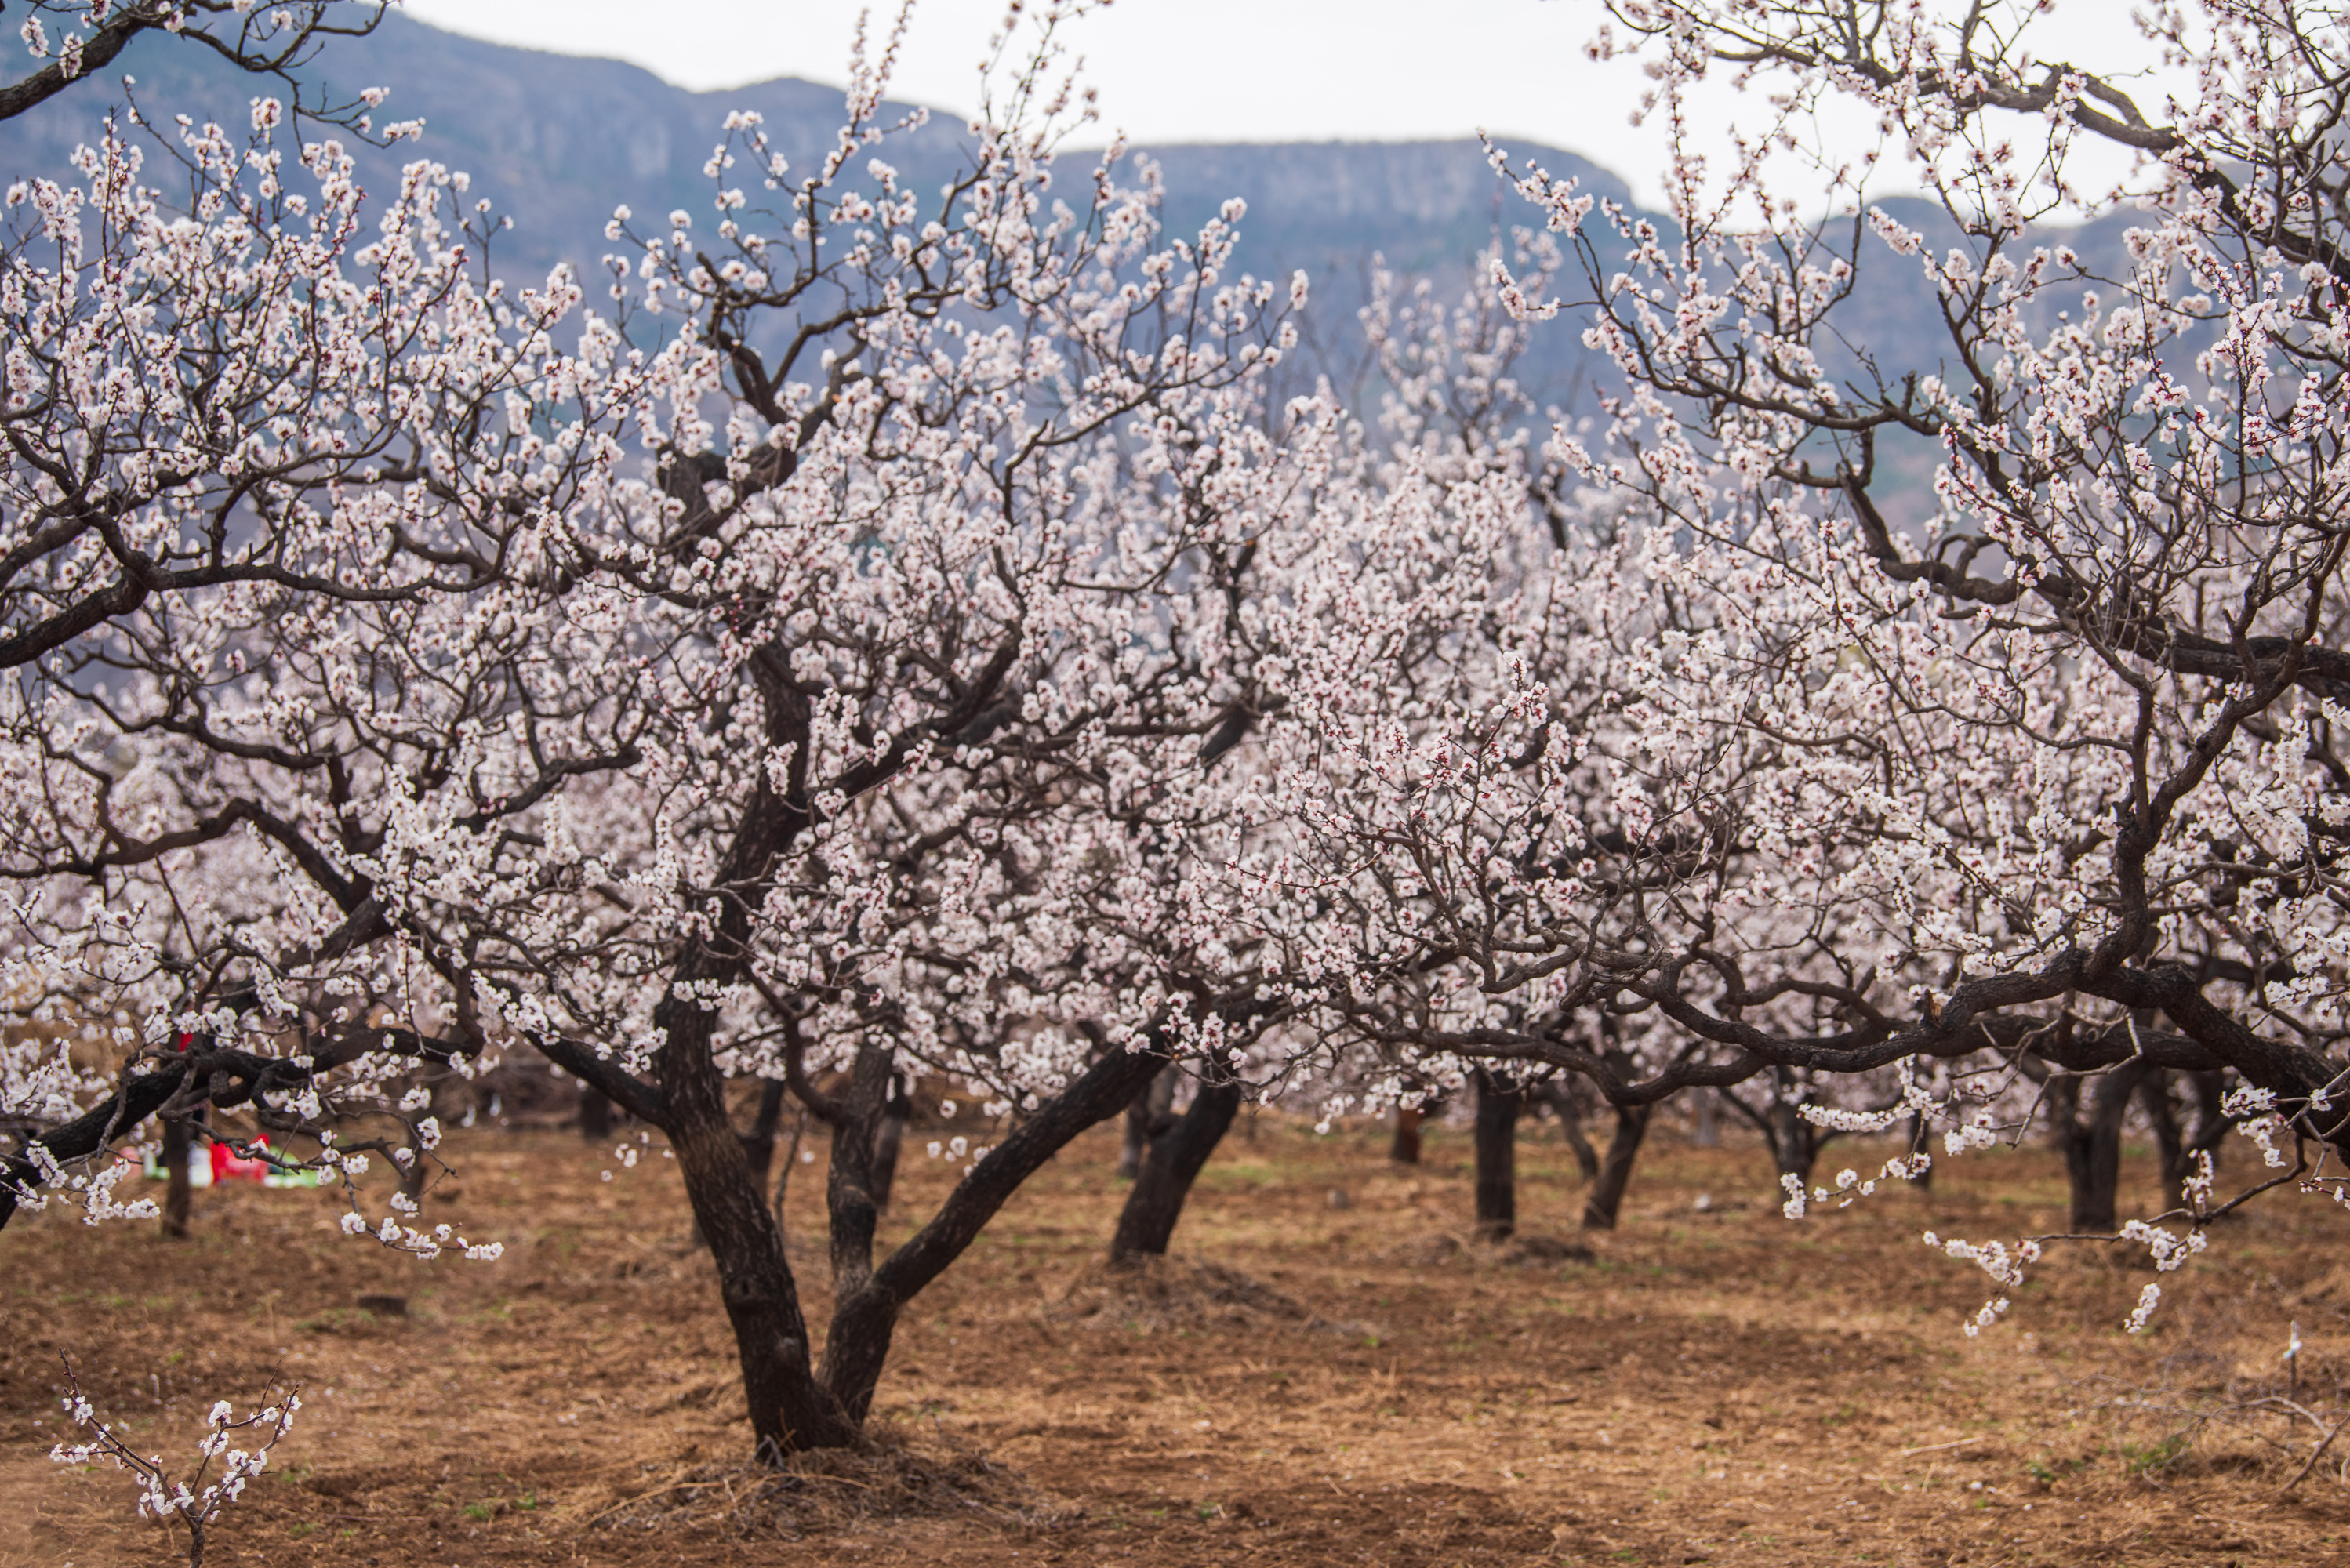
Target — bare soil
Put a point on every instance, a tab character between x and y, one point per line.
1311	1380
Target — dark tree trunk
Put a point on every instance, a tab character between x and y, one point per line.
179	1148
1918	1139
1405	1148
790	1409
795	1404
759	1143
2092	1144
1795	1142
1499	1102
2154	1095
887	1140
595	1114
791	1158
1560	1101
1607	1196
1147	1223
1149	1115
1705	1121
2211	1122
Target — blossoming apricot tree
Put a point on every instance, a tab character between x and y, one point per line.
750	677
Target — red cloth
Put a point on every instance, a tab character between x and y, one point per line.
227	1166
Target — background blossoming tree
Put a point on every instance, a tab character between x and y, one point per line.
1782	762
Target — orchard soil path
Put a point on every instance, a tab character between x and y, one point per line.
1363	1386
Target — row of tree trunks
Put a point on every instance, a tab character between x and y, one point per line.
869	1125
1500	1104
2086	1128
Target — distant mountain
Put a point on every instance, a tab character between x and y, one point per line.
555	142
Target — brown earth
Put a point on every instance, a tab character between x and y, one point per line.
1309	1383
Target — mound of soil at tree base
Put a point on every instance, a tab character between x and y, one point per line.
895	1477
1156	1294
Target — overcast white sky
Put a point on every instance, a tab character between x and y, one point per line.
1196	70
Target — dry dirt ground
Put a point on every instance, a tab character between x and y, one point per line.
1312	1382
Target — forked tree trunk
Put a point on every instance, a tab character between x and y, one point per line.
1155	1203
1405	1148
1150	1114
795	1403
869	1298
1499	1102
1607	1195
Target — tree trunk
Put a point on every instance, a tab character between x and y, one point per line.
1560	1101
1155	1203
759	1143
179	1148
1705	1121
1607	1195
887	1140
1405	1148
790	1409
1795	1142
2092	1146
1919	1140
595	1114
1499	1101
2154	1095
2211	1122
1146	1118
795	1404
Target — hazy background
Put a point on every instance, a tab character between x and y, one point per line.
1349	128
1242	70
